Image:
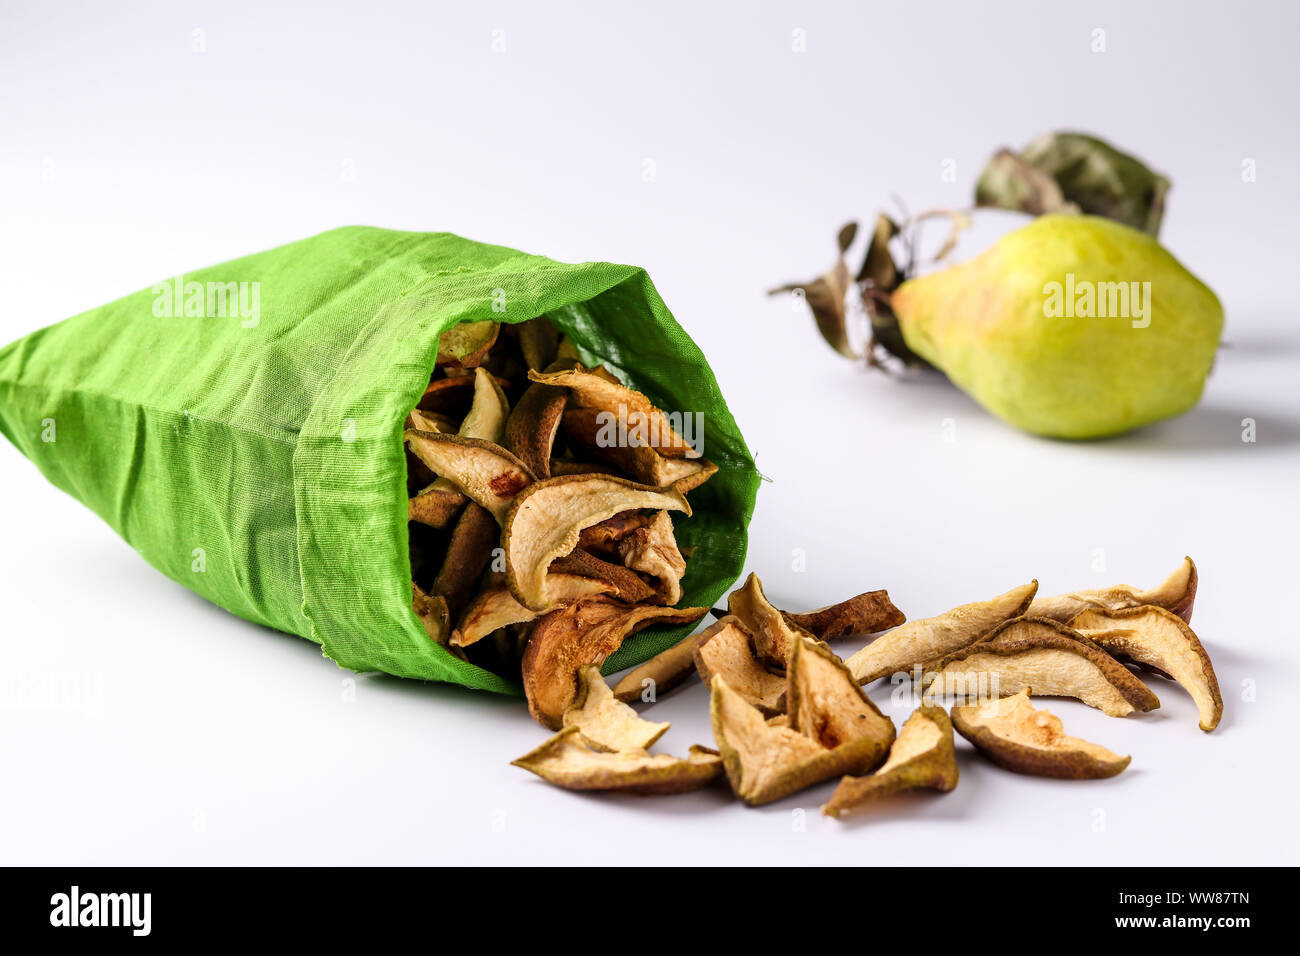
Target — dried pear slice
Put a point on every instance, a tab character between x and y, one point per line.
432	612
467	344
531	428
485	472
468	553
922	758
435	506
486	419
606	535
1161	639
565	761
625	584
1015	735
1176	593
827	705
561	467
496	607
447	396
586	632
725	649
774	636
653	550
917	642
585	430
1045	656
865	613
662	672
595	390
606	722
429	421
546	520
538	340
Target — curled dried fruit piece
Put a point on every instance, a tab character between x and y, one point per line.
530	429
546	520
921	758
625	584
653	550
725	649
447	397
1046	657
432	612
774	636
435	506
866	613
565	761
586	632
662	672
919	641
484	471
1176	593
496	607
1014	735
595	432
467	344
643	423
468	553
1159	638
833	729
486	419
429	421
606	535
607	723
538	340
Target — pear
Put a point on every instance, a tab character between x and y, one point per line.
1070	327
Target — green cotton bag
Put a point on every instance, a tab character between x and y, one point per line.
241	426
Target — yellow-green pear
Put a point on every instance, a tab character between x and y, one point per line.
1072	327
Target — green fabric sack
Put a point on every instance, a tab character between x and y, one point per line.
241	426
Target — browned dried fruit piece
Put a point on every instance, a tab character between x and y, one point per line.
485	472
923	757
653	550
468	553
546	520
568	466
538	340
606	535
594	432
607	723
435	506
866	613
662	672
765	762
624	584
467	344
566	762
924	640
725	649
586	632
641	420
1176	593
1014	735
495	607
1159	638
531	427
1048	658
429	421
447	396
773	635
486	419
432	612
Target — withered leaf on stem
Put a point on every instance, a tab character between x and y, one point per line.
826	296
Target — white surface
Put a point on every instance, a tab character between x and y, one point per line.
190	736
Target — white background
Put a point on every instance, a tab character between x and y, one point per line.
190	736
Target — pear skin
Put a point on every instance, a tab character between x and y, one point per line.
1070	327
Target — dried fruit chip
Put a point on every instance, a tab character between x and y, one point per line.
1048	658
827	705
429	421
485	472
607	723
435	506
594	432
467	344
606	535
917	642
447	397
586	632
923	757
725	649
565	761
531	427
773	635
866	613
496	607
1014	735
486	419
1159	638
546	520
625	584
468	553
1177	593
653	550
538	340
432	612
661	673
638	418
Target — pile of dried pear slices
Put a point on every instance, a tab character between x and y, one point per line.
540	506
787	713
